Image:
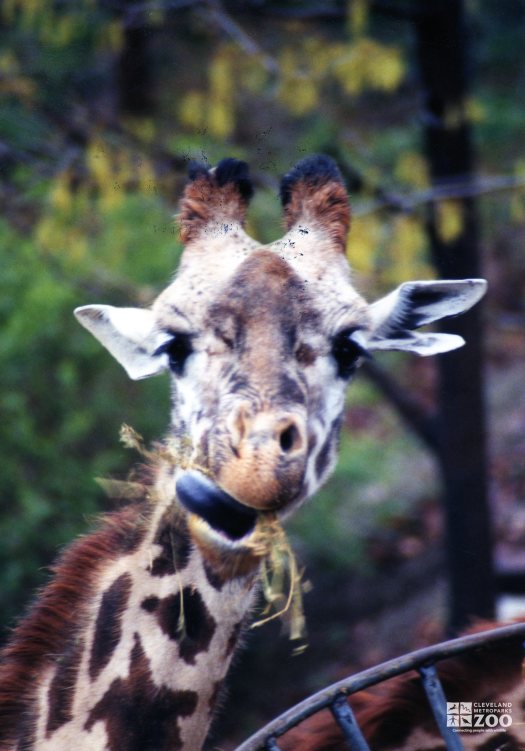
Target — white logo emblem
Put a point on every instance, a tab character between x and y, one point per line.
476	717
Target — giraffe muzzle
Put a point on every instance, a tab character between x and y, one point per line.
265	463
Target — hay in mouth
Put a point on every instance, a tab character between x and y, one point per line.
282	580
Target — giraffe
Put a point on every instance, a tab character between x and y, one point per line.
128	645
396	715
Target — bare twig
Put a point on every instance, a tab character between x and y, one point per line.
136	14
216	13
447	191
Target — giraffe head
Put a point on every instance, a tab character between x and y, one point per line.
262	340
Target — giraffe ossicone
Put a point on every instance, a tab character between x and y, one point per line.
128	645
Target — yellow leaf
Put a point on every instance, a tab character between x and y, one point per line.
221	76
60	196
358	16
475	110
48	234
111	198
123	171
517	207
221	104
299	95
9	64
298	89
99	163
65	29
220	118
192	110
77	246
386	68
111	36
364	241
147	177
370	64
47	29
519	168
82	200
350	72
317	55
254	77
411	168
449	220
141	127
407	240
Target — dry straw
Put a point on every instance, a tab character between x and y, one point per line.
281	578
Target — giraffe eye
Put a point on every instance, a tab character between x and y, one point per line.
348	350
178	349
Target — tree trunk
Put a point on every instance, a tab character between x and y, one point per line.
134	72
442	50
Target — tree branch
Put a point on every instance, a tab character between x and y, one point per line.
216	13
421	422
453	190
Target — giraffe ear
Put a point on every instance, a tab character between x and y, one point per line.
129	334
214	198
314	192
415	304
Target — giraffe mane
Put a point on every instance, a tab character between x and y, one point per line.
56	616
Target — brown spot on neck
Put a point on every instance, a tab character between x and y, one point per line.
173	537
139	715
108	626
61	692
187	622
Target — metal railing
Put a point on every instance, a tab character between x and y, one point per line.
423	661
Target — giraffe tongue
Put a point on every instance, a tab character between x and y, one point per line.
222	512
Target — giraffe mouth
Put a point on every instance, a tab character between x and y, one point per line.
199	495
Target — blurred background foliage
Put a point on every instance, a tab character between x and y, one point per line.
103	104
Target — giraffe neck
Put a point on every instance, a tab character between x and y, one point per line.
131	640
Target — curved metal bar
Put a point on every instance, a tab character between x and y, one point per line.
344	717
370	677
438	704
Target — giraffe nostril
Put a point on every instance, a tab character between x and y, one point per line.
290	439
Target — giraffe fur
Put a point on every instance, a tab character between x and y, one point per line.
128	645
396	715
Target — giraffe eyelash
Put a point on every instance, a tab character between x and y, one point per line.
348	349
178	349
